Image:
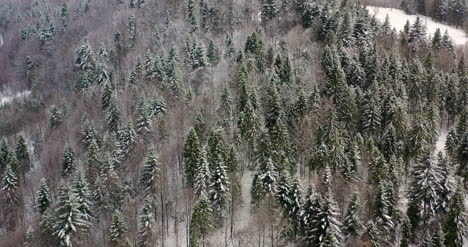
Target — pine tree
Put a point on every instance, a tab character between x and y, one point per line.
201	221
437	40
438	239
69	220
327	226
22	155
132	30
406	233
352	224
146	224
191	16
213	54
383	214
447	187
219	190
310	213
202	176
150	173
56	117
106	95
64	12
144	120
44	199
229	47
118	229
68	161
84	197
269	9
113	116
423	196
462	157
9	183
192	155
456	224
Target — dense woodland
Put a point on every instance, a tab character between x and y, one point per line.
230	123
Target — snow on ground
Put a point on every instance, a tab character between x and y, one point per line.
398	20
440	145
7	96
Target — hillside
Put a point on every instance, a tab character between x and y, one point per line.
229	123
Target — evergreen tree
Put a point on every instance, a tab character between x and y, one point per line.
191	16
352	224
44	199
201	221
22	155
406	233
144	120
462	157
56	117
269	9
106	96
456	224
192	155
383	215
70	220
146	224
327	226
219	190
118	229
229	47
446	188
203	176
213	54
9	183
310	212
68	161
64	12
150	173
423	196
113	115
132	30
84	196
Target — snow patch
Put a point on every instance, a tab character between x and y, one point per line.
398	20
440	145
8	96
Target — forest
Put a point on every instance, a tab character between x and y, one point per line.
198	123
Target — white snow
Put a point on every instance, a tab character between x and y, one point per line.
7	96
398	20
440	145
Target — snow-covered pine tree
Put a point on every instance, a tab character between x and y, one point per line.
9	183
84	197
150	173
56	117
106	95
201	221
456	223
22	155
44	198
219	189
126	137
192	155
352	224
423	197
447	184
269	9
213	54
118	229
64	12
192	19
146	224
113	116
68	160
132	30
383	218
202	176
69	220
406	233
310	212
327	227
144	120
